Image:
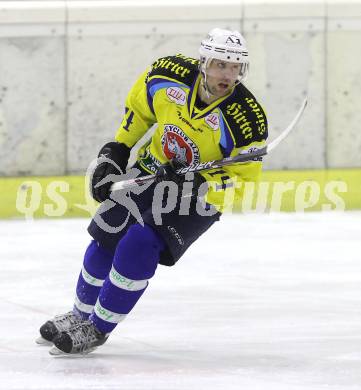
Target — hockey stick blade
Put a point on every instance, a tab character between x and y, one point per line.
246	157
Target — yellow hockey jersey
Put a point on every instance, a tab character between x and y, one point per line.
166	94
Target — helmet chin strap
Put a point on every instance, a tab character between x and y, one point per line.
205	87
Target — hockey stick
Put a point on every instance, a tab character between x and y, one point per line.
240	158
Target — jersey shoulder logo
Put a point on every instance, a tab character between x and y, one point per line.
179	68
177	95
245	117
177	145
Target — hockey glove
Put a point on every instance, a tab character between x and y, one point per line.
119	154
167	172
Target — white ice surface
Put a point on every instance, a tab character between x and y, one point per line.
260	302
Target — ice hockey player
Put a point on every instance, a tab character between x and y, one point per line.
203	112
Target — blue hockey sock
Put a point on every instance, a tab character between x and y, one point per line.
96	266
135	261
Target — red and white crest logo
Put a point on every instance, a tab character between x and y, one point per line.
177	145
212	120
177	95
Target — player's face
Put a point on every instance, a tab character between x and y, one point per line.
221	76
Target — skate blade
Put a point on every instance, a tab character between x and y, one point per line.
41	341
54	351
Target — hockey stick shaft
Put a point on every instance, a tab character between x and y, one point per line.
289	128
240	158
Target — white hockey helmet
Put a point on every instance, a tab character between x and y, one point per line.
224	45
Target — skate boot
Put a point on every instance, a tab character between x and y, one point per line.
55	326
80	339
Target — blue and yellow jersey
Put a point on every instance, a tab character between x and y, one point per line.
166	94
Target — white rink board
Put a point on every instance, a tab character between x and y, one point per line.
67	66
267	302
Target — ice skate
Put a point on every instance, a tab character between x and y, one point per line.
58	324
81	339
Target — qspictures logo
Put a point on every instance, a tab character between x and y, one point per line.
165	196
52	201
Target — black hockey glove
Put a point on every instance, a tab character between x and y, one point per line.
119	153
167	172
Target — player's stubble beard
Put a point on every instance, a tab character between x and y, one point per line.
205	92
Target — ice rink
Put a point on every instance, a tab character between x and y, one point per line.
259	302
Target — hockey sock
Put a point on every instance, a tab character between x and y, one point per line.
135	261
96	266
